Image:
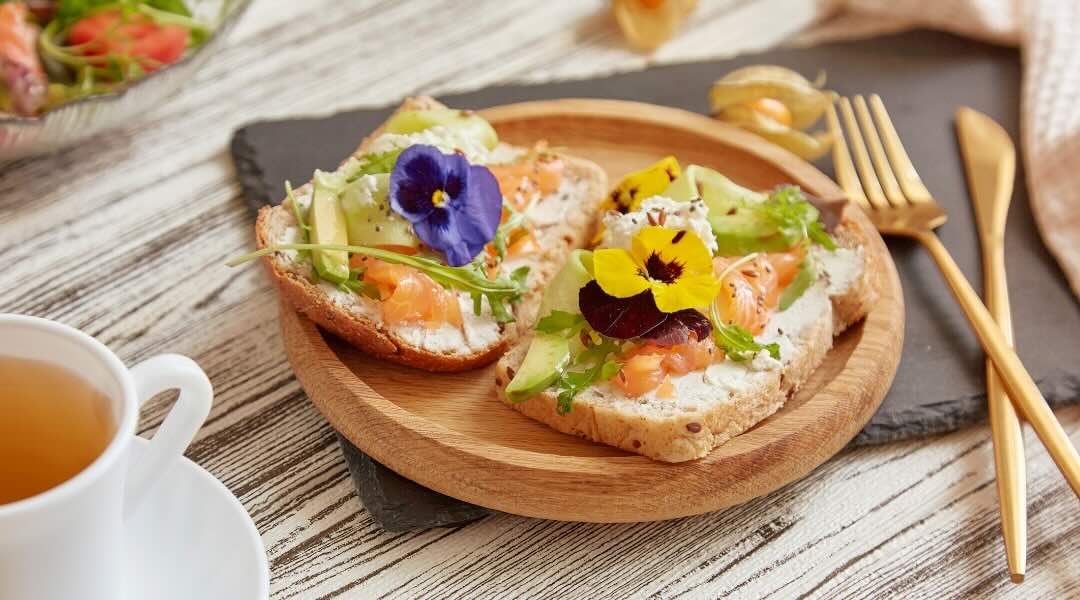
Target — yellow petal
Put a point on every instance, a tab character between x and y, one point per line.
683	247
639	185
688	291
617	273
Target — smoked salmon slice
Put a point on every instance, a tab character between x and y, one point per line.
750	290
408	295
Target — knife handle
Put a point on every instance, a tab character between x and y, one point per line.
1025	394
1004	422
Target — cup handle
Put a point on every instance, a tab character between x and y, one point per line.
152	376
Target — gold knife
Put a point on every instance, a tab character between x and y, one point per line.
990	161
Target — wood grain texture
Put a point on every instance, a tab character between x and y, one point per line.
125	238
450	433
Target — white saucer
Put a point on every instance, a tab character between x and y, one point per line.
191	538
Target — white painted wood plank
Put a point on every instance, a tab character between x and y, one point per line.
125	237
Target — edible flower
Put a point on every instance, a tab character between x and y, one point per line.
674	265
653	180
454	207
653	290
638	317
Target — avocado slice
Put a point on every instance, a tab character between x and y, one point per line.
741	231
803	280
328	227
468	122
548	355
369	219
718	192
562	292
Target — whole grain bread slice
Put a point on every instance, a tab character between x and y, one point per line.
668	436
365	330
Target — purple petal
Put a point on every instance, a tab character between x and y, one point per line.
420	171
677	327
441	232
620	318
480	209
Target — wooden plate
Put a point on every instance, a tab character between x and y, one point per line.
450	432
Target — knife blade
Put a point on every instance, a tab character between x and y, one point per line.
990	162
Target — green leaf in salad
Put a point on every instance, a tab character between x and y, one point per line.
69	11
501	291
173	6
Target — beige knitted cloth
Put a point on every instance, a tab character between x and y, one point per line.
1048	33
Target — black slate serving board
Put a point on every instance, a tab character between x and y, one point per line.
923	76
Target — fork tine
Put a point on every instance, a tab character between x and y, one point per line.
869	179
913	187
877	154
845	169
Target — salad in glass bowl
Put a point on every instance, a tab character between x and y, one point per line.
71	68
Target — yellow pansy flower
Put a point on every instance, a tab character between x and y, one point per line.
639	185
674	265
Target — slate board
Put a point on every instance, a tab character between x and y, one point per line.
923	76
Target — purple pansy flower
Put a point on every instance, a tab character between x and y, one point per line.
453	206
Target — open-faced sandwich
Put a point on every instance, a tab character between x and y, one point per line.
427	246
703	308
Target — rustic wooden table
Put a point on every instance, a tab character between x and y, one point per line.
125	237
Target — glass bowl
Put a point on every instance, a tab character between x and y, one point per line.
82	118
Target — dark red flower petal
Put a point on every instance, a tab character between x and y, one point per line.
620	318
678	326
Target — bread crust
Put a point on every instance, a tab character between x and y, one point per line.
371	335
693	435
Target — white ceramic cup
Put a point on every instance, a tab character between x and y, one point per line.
68	543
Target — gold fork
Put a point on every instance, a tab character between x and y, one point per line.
898	203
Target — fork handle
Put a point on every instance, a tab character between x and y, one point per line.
1023	391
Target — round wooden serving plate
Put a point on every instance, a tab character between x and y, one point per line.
450	432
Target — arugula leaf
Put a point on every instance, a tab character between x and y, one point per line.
502	233
499	292
559	320
360	287
737	343
304	229
571	383
373	164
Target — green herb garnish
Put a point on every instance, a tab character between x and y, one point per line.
502	233
296	210
794	218
736	342
499	292
598	367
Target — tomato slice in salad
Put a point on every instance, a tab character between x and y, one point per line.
113	33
